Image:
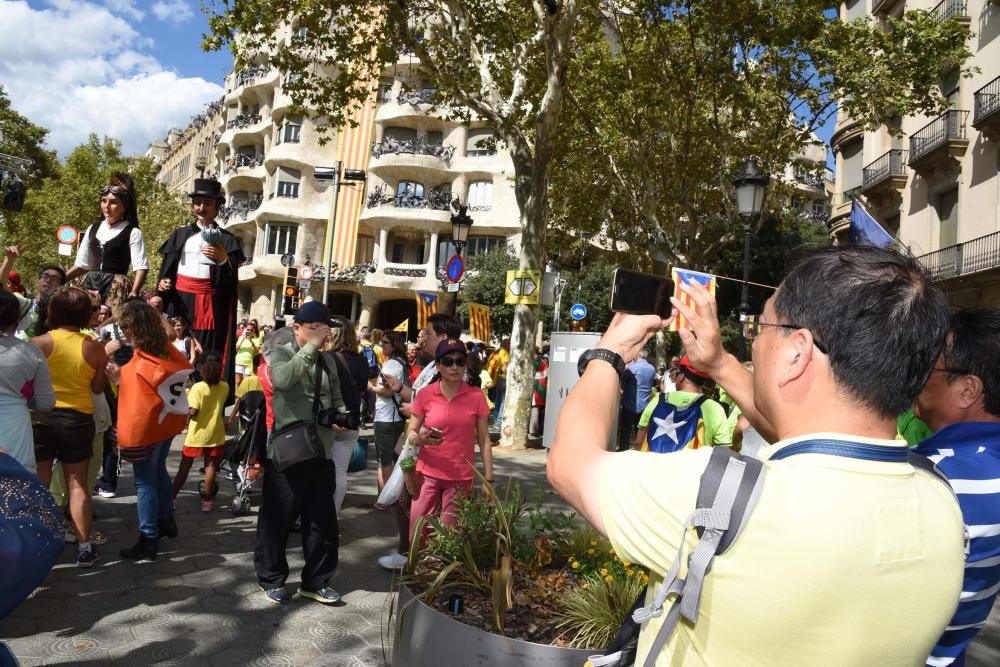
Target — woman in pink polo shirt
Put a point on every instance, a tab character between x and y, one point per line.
448	417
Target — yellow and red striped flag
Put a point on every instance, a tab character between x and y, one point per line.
479	322
707	280
427	305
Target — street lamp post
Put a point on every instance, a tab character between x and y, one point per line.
750	185
461	223
334	177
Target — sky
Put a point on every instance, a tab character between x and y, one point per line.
129	69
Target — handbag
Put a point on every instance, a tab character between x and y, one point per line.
359	457
300	443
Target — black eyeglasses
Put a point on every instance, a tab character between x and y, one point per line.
49	276
448	362
753	328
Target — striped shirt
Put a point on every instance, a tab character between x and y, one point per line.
969	454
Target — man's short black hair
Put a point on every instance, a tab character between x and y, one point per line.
878	316
443	323
54	267
10	310
974	348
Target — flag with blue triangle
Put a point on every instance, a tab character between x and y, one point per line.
672	429
865	229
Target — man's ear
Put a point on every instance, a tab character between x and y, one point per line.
970	391
796	352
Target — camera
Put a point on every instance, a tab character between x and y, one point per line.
330	417
123	355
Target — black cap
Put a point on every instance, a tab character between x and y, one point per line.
207	187
314	311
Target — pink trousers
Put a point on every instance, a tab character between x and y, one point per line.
436	490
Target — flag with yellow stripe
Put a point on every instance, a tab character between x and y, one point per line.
479	322
427	305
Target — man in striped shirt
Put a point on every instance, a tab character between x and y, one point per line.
961	403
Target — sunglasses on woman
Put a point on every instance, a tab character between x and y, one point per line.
448	362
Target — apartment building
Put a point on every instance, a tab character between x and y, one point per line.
936	185
186	154
391	233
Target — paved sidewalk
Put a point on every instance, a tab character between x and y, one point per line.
198	604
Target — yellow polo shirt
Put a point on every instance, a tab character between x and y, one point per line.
844	562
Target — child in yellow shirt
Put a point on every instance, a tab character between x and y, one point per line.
206	434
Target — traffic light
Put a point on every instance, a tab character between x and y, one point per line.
290	291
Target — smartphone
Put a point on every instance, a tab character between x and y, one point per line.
435	432
641	293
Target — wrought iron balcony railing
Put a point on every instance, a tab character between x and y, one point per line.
436	200
244	120
240	207
390	146
890	165
951	9
242	160
987	103
949	126
414	97
248	75
979	254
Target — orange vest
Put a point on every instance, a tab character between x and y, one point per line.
152	404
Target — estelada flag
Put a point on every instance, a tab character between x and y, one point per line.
672	429
427	305
479	322
152	405
707	280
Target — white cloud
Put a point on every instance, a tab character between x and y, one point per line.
177	11
126	7
79	66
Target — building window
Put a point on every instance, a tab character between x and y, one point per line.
855	9
287	182
400	134
364	251
480	142
281	238
409	194
946	205
185	167
292	129
852	165
398	253
474	245
480	196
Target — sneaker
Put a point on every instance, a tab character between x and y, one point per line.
207	505
278	595
393	561
144	551
96	537
87	558
325	595
105	493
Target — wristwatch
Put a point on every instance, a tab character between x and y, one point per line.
612	358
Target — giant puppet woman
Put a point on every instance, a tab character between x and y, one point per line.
198	277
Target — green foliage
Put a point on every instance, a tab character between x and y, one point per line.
70	196
593	612
22	138
485	284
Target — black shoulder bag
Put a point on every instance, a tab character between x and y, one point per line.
300	442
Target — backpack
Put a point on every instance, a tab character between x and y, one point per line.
727	494
368	352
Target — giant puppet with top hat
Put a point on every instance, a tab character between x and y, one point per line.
199	275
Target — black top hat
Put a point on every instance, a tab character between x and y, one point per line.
207	187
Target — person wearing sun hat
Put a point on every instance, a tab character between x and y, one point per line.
112	245
199	276
448	418
684	418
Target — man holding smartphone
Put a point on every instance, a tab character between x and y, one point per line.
841	349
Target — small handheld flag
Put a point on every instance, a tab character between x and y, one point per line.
865	229
707	280
403	326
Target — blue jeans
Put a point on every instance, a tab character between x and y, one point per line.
501	398
153	492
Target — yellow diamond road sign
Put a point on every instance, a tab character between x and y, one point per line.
523	287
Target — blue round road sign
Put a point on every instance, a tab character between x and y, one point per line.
578	311
455	268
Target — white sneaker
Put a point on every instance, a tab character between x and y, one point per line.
393	561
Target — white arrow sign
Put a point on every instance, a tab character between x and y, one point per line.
522	287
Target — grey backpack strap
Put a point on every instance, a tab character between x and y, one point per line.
729	488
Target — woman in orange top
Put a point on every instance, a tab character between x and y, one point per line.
76	363
151	411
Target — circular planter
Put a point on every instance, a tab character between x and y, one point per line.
425	636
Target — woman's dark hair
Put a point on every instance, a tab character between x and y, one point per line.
473	368
143	327
398	343
69	307
121	186
210	368
10	310
184	322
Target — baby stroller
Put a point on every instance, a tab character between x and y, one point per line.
246	458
